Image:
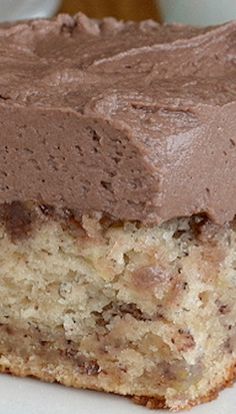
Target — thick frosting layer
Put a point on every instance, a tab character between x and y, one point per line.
136	121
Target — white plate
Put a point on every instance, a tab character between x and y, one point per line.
29	396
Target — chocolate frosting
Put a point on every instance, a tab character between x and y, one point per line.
136	121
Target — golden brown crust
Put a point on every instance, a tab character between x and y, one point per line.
152	403
160	403
149	402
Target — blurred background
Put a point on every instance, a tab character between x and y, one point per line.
198	12
122	9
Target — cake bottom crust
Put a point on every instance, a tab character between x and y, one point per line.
144	312
21	368
160	403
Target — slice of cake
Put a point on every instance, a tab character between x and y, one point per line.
117	205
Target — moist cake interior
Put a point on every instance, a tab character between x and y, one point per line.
141	311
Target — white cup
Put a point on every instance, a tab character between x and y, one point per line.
197	12
27	9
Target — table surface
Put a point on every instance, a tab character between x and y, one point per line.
121	9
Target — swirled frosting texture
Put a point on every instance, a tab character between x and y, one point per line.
136	121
